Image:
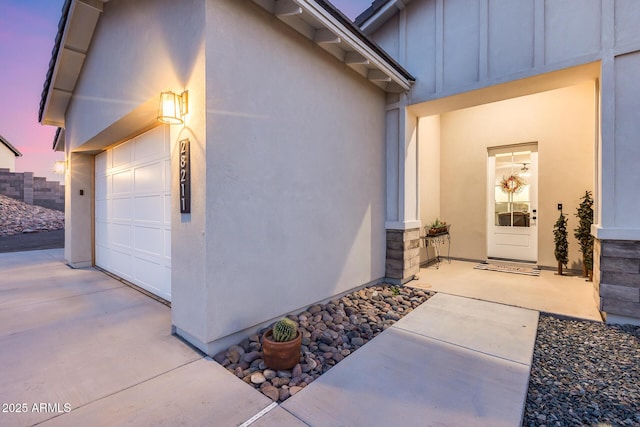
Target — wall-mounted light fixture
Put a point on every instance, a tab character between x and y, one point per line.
173	107
60	167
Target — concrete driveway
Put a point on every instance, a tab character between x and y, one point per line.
80	348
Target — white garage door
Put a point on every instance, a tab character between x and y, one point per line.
133	221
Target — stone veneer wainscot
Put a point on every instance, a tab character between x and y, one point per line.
617	277
403	255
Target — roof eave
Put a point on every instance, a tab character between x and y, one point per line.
75	31
379	13
6	143
58	140
322	23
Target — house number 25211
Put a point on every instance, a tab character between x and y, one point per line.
185	177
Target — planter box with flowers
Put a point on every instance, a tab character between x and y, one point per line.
437	227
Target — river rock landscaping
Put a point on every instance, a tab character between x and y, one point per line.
18	217
584	374
330	332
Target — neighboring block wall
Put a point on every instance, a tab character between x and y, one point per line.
48	194
25	187
618	277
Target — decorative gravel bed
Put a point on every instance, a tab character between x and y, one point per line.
330	332
18	217
584	374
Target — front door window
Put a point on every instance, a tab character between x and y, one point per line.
513	189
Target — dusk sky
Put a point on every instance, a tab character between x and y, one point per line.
27	33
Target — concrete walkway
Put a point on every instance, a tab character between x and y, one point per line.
451	362
96	352
568	295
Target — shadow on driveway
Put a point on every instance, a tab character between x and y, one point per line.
32	241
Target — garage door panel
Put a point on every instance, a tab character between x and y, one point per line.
150	145
149	272
122	182
167	209
132	219
150	240
101	231
149	178
120	234
102	186
101	166
122	154
167	244
121	263
121	209
167	176
149	209
102	210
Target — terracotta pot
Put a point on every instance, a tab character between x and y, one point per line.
280	355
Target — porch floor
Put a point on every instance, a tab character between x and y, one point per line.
569	295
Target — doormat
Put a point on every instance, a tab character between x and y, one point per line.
509	268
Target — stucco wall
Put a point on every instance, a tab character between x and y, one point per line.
287	157
561	121
295	171
140	49
7	158
429	142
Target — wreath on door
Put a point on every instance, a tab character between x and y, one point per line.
512	184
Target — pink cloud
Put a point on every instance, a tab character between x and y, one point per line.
27	34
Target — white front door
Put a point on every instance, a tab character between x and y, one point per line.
132	211
512	208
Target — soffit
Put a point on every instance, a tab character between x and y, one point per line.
509	90
75	31
320	22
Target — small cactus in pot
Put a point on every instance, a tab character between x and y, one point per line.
284	330
281	345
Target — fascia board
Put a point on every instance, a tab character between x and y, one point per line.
355	43
56	68
382	15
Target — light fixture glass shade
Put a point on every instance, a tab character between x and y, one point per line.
170	108
59	167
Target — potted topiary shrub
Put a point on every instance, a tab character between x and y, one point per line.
562	245
281	345
583	234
